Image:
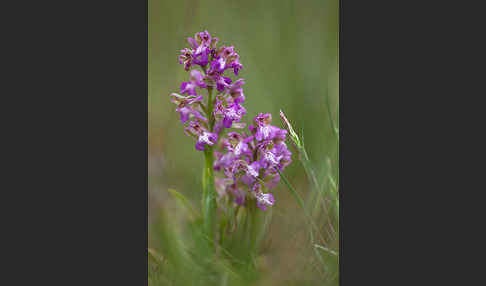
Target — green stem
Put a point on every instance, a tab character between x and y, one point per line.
254	227
209	192
209	112
255	224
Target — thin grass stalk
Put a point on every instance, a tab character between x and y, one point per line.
299	200
318	194
309	220
304	159
334	186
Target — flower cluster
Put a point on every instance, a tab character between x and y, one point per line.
248	163
251	161
226	109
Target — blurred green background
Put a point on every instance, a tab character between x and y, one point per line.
289	52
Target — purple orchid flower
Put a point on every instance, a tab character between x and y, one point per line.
263	128
241	167
225	58
236	92
186	58
189	87
186	106
264	200
194	128
201	46
233	113
253	168
222	82
236	143
284	154
186	112
206	138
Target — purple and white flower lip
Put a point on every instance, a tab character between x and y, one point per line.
233	112
264	200
206	138
248	164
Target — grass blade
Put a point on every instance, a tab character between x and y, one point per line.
184	202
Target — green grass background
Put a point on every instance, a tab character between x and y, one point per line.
289	50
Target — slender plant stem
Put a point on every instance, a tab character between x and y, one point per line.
209	192
209	112
209	199
255	225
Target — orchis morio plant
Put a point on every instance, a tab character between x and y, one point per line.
210	105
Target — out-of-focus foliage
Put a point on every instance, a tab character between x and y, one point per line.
289	50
